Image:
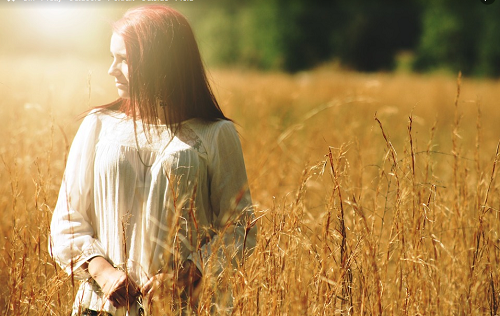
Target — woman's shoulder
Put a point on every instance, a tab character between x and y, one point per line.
210	129
103	115
94	115
99	113
96	120
213	134
91	119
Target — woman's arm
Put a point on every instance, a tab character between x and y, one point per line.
72	240
230	200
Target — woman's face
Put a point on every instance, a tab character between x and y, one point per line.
119	67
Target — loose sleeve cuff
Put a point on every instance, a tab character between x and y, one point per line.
73	266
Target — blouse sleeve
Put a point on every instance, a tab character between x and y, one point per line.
72	239
230	200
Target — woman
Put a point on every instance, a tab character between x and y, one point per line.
155	188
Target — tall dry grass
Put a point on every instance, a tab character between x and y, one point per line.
376	193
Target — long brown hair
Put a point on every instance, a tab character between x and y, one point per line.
165	68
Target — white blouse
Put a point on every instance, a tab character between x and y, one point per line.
133	195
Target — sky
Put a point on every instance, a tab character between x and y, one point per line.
61	28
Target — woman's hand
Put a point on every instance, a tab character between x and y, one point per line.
115	284
156	283
188	276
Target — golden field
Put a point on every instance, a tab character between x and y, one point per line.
376	193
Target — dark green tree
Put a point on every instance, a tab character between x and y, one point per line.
371	33
488	46
362	34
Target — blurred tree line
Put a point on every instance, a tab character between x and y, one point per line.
364	35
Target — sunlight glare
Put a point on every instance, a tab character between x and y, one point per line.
54	22
61	29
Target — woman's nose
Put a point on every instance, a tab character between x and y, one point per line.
113	69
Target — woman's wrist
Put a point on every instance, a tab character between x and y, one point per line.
99	267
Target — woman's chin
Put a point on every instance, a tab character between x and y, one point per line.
123	94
